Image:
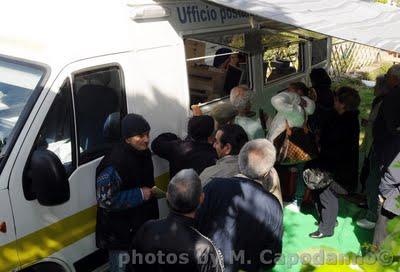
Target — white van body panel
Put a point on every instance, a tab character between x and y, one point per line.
9	254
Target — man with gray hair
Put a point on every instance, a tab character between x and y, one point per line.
386	134
173	244
256	162
240	98
240	214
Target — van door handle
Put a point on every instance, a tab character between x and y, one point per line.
3	227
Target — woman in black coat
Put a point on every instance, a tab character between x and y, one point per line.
324	100
339	156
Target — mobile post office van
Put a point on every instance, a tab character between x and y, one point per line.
69	72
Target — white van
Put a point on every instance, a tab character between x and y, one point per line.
70	70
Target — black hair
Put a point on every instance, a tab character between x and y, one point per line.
220	56
319	77
300	86
349	97
235	136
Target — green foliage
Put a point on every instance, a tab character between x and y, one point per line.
379	71
396	164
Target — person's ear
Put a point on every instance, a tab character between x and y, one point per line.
228	148
201	199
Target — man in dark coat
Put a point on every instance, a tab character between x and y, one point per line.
174	241
195	152
386	130
243	219
386	145
123	190
339	156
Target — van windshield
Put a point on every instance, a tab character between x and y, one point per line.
17	84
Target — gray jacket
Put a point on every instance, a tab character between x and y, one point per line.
390	187
225	167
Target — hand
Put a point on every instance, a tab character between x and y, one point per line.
147	193
381	199
196	110
312	94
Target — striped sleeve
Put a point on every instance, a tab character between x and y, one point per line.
109	194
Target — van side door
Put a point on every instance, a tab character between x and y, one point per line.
76	122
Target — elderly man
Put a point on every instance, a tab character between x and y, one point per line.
241	216
223	114
174	241
240	98
386	134
386	130
229	139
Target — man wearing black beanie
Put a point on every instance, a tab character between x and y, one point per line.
124	180
195	151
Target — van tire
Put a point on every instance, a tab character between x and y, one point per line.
45	267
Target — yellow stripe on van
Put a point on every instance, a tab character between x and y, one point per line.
8	257
47	241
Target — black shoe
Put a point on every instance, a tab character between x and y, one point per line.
336	223
318	235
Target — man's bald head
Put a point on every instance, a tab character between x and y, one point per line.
240	98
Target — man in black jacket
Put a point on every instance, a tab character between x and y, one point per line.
386	130
195	152
173	244
243	219
123	189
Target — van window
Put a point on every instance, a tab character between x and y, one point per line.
215	65
99	105
319	51
56	133
282	61
18	82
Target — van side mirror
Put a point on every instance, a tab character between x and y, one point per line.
46	179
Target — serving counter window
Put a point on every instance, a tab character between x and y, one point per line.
319	51
215	68
282	61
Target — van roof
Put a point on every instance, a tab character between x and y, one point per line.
61	32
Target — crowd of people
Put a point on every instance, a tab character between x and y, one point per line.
225	198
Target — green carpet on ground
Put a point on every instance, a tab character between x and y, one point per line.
348	236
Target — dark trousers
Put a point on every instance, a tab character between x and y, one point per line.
327	205
380	228
372	189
